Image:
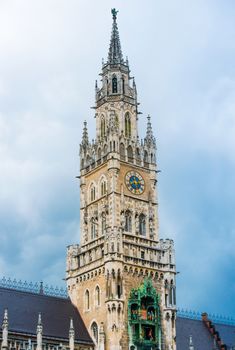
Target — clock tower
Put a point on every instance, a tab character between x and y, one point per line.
122	276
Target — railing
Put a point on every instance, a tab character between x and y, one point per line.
33	287
193	315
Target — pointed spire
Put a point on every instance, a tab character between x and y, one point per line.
85	139
101	337
39	332
5	325
191	347
149	134
71	335
115	52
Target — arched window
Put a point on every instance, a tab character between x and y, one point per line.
99	153
122	152
93	229
127	125
105	150
138	156
97	296
123	85
92	193
94	332
102	127
128	221
114	85
130	154
103	189
146	159
142	225
87	300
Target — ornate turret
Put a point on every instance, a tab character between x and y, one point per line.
115	51
150	139
85	138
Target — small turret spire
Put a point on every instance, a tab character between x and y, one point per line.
39	332
71	335
191	347
85	139
149	134
115	52
5	325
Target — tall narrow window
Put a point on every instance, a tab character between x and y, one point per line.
97	296
127	125
103	188
94	332
114	85
87	300
128	221
122	152
93	229
102	127
142	225
123	85
130	154
92	193
146	159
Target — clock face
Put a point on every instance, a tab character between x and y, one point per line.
135	182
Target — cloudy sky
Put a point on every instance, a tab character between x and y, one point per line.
182	55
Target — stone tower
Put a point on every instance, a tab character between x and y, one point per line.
122	276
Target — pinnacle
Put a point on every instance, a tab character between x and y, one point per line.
115	52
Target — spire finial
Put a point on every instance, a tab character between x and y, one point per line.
115	52
114	13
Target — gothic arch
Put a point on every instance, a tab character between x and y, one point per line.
103	185
87	300
122	151
142	224
99	154
97	295
92	191
94	332
146	159
128	221
130	154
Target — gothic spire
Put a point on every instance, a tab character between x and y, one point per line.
191	347
85	139
39	332
5	331
71	335
115	51
149	134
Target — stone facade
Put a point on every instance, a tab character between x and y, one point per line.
120	247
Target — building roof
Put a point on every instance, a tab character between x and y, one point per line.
201	336
24	308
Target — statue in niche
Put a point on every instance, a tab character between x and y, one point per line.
122	219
